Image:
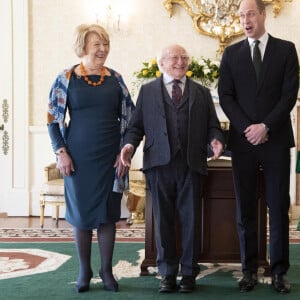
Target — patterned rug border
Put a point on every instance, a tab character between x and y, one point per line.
130	234
63	235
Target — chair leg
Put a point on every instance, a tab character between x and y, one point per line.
57	214
42	207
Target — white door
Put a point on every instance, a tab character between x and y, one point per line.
13	108
5	104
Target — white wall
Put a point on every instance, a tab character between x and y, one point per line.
148	28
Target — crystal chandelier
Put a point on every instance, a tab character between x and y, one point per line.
217	18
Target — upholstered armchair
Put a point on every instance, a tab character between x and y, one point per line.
136	197
52	192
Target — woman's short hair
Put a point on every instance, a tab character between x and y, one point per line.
81	33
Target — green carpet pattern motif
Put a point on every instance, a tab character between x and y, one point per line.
56	280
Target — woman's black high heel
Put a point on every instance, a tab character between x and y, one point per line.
109	285
80	288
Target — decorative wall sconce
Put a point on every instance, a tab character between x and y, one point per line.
217	18
109	19
111	14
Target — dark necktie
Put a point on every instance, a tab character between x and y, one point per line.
176	92
256	58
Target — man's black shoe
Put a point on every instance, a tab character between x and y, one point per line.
248	281
281	284
187	284
168	284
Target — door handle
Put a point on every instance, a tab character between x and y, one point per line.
5	137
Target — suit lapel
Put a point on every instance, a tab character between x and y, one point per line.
267	59
192	92
158	95
246	58
186	93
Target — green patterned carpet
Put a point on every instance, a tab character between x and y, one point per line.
49	271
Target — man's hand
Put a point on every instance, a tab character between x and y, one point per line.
256	134
121	169
126	154
217	148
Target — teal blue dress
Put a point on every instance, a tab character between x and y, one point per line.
93	141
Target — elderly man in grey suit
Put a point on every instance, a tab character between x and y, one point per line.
258	88
178	119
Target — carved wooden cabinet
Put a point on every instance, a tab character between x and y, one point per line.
219	239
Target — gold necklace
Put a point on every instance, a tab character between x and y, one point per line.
99	82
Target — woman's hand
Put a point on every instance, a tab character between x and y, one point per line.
64	163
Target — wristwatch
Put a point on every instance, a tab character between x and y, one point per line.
57	153
266	127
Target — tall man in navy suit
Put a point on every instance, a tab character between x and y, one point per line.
177	130
258	103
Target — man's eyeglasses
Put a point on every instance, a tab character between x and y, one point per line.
177	58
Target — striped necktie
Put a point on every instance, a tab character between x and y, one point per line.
176	92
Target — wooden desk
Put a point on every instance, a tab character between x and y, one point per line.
219	239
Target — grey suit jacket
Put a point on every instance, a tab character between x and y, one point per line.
149	120
269	100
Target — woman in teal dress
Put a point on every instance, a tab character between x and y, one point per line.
87	149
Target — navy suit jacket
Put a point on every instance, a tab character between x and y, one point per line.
246	100
149	120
